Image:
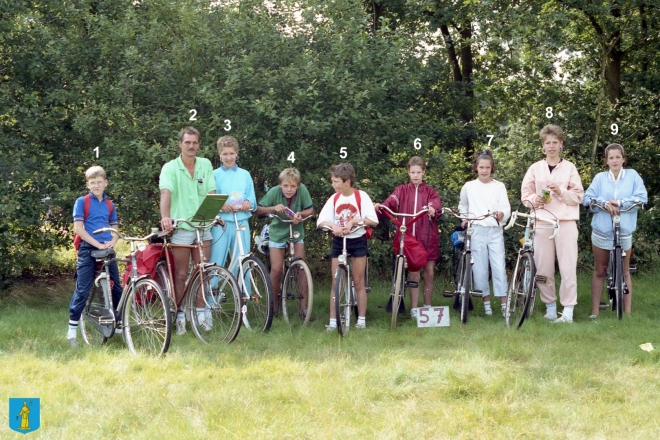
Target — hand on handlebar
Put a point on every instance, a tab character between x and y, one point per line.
166	224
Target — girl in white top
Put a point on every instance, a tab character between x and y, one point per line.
478	197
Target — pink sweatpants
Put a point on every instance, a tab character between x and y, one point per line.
565	248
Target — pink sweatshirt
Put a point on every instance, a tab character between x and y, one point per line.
566	206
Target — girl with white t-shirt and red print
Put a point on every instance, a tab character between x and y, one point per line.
342	212
482	196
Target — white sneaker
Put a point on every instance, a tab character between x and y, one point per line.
360	325
413	313
205	321
330	328
563	319
550	317
181	326
489	312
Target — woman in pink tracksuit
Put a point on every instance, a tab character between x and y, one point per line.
563	189
409	199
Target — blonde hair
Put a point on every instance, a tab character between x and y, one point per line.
227	142
94	172
291	174
552	130
416	161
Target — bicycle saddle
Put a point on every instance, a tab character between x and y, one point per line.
101	254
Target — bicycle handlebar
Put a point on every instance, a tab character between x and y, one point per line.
277	217
399	214
98	231
216	221
354	229
515	214
458	215
601	206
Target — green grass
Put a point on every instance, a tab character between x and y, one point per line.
480	380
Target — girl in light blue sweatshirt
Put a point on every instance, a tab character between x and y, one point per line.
618	188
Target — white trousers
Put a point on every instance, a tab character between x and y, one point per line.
488	246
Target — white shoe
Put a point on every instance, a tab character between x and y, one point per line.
206	322
330	328
550	317
414	313
360	325
181	326
489	312
563	319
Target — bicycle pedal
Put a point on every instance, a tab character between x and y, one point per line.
632	268
542	279
477	293
412	284
602	306
448	294
368	289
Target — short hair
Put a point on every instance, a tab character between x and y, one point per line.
227	141
189	130
416	161
611	147
552	130
344	171
290	174
484	155
94	172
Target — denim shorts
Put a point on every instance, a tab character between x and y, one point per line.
356	247
276	245
606	243
183	236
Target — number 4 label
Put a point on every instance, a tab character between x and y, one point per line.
433	316
291	157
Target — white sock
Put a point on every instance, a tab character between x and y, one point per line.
201	313
568	312
333	323
487	306
552	309
180	316
361	320
72	333
429	305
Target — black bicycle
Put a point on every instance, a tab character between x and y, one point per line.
616	280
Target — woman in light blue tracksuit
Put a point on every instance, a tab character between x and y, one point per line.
618	188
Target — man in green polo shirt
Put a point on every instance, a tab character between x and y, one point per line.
184	182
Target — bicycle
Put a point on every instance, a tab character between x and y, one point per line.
145	320
463	280
399	282
254	284
521	294
209	287
296	295
616	280
345	297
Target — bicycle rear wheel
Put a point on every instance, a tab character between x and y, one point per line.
214	307
99	298
342	295
398	282
618	281
521	290
147	324
259	294
466	286
297	294
163	280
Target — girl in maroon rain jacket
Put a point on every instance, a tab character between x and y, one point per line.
409	199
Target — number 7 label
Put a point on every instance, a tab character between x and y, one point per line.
433	316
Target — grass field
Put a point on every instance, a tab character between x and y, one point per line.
480	380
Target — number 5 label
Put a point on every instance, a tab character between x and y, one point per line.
433	316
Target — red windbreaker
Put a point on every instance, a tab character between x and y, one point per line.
409	199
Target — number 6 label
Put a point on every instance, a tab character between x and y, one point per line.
433	316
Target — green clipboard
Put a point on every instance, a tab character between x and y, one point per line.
209	208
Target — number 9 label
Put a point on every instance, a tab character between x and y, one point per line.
433	316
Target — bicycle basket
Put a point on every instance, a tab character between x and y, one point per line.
261	241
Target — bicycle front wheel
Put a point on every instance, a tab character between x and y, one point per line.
214	306
98	300
618	281
521	290
258	292
466	286
297	294
397	287
147	324
342	301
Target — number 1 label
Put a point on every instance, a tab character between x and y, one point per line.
433	316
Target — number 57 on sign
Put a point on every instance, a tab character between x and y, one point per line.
433	316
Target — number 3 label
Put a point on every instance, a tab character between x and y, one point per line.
433	316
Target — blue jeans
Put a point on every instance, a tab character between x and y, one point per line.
85	268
